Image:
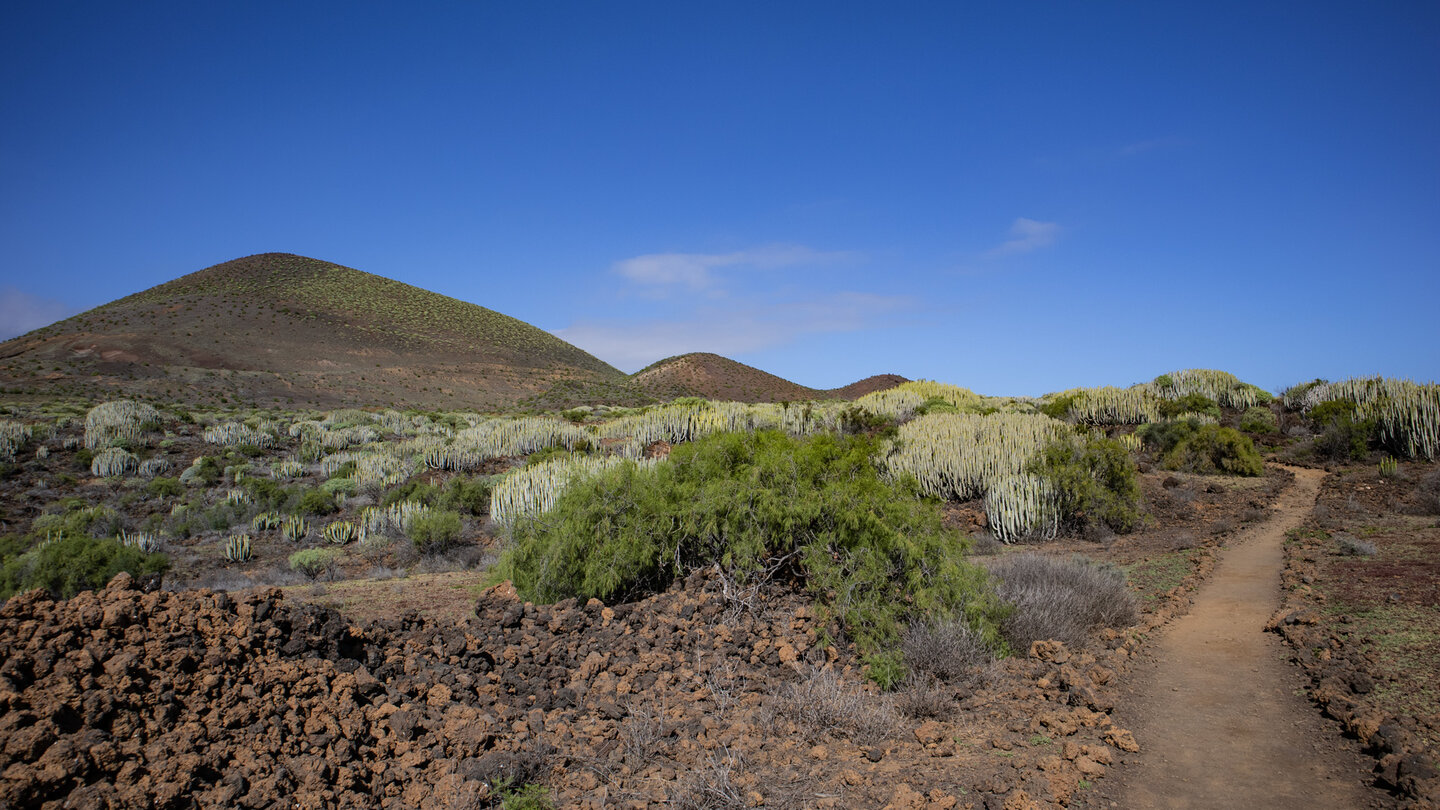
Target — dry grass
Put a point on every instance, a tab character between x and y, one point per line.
824	704
1061	599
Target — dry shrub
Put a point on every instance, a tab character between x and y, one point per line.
924	696
1352	546
1426	499
643	731
1062	599
822	703
950	651
710	787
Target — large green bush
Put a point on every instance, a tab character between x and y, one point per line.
1190	446
1094	481
1190	403
70	564
434	532
1342	435
756	506
1259	419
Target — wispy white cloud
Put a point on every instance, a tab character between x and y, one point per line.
1027	235
21	312
737	329
695	270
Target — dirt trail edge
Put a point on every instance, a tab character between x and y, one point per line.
1217	711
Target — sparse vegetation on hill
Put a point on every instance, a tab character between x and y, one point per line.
737	548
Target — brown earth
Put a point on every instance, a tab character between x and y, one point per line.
711	376
277	329
121	698
1365	628
1218	713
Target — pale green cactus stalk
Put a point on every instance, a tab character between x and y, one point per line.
237	548
113	461
339	532
294	528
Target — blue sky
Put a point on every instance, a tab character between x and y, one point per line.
1013	197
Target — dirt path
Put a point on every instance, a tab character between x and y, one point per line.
1216	709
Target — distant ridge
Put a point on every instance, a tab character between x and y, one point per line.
277	328
711	376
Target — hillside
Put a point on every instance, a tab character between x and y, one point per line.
711	376
276	328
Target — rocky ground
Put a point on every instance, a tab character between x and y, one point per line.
199	698
122	698
1361	613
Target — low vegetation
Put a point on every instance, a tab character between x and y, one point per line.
760	506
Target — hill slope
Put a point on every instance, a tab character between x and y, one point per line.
279	328
714	377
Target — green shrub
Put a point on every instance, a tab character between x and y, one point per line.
1059	407
72	563
434	532
267	493
1259	419
756	506
469	495
413	490
315	502
529	796
1094	480
936	405
463	494
164	487
312	562
1341	435
1211	449
1190	403
344	485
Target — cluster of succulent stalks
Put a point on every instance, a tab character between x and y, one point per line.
1221	386
383	469
266	521
144	541
294	528
237	548
960	456
340	533
13	436
1406	413
688	421
288	469
1109	405
1022	505
113	461
501	438
117	422
376	521
1389	467
234	434
532	490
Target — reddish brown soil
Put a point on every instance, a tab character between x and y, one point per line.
120	698
1216	709
714	377
279	329
1365	630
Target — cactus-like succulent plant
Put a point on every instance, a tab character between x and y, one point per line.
294	528
237	548
340	532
